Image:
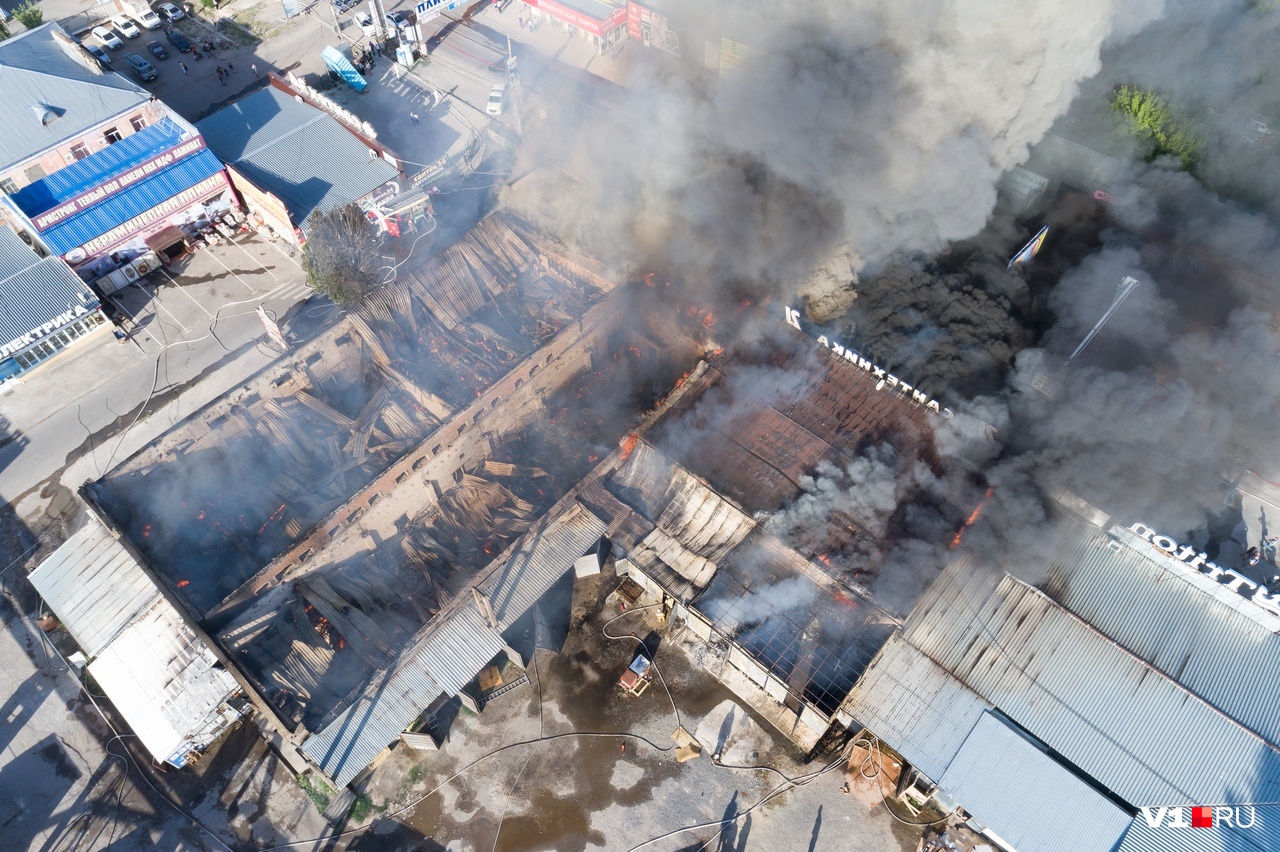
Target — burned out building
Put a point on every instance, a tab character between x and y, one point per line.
358	529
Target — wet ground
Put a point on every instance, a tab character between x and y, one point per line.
569	762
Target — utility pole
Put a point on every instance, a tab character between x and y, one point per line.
513	79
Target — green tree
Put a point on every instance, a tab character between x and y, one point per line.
1148	116
29	14
341	255
4	31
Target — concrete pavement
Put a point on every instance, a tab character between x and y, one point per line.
187	323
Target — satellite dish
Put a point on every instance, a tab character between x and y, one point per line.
75	255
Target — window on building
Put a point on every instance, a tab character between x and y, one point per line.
137	123
8	187
112	135
79	151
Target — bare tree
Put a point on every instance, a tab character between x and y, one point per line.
341	255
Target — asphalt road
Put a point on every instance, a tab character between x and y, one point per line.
187	323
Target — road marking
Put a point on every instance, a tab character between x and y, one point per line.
237	276
120	306
183	292
268	269
159	305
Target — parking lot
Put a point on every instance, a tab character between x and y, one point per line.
183	324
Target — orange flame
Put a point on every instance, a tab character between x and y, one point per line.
183	584
709	321
629	445
973	516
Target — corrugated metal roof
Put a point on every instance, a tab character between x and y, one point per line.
163	679
458	648
1129	727
450	654
94	586
1208	638
115	210
1015	789
351	741
114	160
545	555
299	153
915	706
35	290
1262	837
34	72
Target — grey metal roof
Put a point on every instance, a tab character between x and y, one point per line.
351	741
163	680
94	586
1104	710
34	290
1209	639
452	651
457	649
915	706
295	151
1015	789
546	554
1262	837
36	71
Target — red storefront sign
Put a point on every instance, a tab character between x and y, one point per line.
581	20
636	15
105	190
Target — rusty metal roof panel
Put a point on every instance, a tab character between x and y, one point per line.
94	586
915	706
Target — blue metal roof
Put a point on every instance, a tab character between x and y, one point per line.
1015	789
117	209
34	290
79	177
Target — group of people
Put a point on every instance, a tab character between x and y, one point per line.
225	72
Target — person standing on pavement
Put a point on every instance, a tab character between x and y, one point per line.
231	69
183	66
253	66
414	117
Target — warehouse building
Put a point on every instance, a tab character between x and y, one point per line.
161	676
1130	684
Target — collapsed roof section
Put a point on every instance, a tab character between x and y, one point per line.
304	436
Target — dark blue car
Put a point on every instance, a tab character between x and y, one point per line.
157	50
178	40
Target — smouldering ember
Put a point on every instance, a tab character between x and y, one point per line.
973	516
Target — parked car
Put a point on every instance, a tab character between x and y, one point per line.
125	27
147	18
497	96
107	37
178	40
99	54
365	22
141	68
170	12
396	21
157	50
344	5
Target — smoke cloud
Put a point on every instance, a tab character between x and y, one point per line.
855	159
